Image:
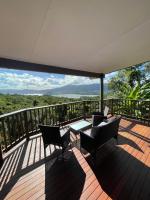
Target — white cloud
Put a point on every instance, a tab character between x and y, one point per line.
30	81
109	76
77	80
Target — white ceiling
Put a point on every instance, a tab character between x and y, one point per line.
90	35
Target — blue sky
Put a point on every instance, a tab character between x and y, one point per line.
19	79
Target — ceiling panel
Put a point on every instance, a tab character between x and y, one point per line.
96	36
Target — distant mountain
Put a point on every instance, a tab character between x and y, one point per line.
92	89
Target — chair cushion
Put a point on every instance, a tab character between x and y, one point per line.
111	119
104	129
106	111
102	123
88	132
63	131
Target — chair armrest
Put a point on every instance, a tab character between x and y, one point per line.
66	137
85	136
87	142
66	134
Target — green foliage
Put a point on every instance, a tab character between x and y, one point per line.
134	94
142	92
135	76
132	83
145	91
119	84
10	103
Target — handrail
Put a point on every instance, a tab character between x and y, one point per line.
38	107
134	109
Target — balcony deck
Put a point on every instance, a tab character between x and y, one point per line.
122	171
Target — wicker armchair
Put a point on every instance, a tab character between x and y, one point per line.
98	117
53	135
94	138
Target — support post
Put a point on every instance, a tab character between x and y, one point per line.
102	92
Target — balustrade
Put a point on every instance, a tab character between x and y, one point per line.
21	124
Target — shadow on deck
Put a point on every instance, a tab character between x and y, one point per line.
121	171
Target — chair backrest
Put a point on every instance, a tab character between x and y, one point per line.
50	134
98	117
106	109
110	129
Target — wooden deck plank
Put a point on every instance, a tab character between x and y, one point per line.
121	172
128	173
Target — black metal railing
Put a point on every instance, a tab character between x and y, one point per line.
21	124
134	109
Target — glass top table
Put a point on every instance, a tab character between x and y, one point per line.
80	125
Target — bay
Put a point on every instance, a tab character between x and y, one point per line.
76	96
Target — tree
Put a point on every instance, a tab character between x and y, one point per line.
127	81
119	84
135	76
35	102
147	72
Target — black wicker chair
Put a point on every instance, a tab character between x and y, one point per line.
53	135
94	138
98	117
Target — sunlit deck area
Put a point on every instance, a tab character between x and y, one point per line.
121	171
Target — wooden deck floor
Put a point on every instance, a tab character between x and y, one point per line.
122	171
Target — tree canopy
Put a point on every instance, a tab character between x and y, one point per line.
133	82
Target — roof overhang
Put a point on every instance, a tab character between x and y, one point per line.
21	65
79	36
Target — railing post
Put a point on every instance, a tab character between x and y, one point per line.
26	125
1	157
84	110
4	134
